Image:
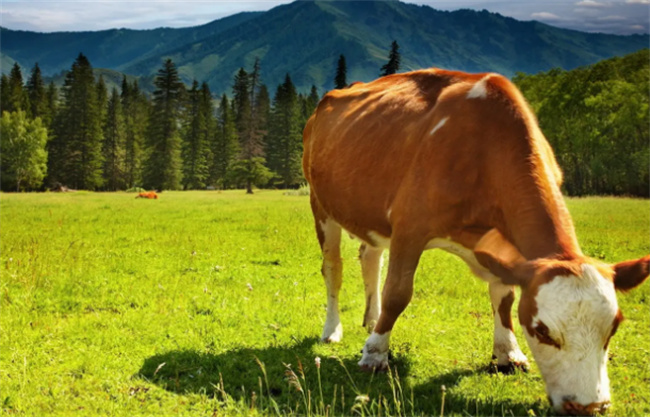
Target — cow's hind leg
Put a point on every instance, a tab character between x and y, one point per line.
371	260
505	350
329	237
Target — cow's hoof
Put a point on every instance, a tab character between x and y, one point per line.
375	361
373	365
507	369
332	335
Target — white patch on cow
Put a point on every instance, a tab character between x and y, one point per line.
379	240
440	124
479	90
466	255
332	330
579	314
505	348
371	263
375	351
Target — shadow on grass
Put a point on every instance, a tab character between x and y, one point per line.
237	376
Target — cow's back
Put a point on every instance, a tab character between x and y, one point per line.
431	140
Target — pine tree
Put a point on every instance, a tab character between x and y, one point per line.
16	97
38	96
251	150
75	153
114	141
102	97
225	146
162	170
4	93
340	80
196	151
392	66
284	144
136	118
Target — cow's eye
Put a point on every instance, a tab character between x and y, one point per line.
542	334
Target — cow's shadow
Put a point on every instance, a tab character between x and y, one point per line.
251	376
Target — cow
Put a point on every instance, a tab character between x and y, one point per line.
456	161
148	194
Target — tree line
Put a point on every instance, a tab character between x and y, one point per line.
596	118
86	137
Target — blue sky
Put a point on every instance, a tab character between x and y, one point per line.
613	16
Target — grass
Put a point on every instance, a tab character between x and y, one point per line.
208	303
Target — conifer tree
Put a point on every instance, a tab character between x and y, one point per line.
162	170
113	146
38	96
136	118
16	97
52	104
340	81
392	66
196	151
247	169
225	146
4	93
75	153
284	144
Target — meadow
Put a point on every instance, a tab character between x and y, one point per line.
211	303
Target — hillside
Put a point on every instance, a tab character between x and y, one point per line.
305	38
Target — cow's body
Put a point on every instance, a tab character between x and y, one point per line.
438	159
151	195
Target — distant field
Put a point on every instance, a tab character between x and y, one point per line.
115	306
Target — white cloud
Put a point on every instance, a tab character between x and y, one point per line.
592	3
546	16
637	1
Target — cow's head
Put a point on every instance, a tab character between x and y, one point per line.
569	312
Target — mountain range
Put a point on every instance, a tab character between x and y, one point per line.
305	39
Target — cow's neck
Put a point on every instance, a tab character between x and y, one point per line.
538	223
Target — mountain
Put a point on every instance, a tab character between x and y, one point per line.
305	39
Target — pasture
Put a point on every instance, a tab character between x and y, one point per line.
210	303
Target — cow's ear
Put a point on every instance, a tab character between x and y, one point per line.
631	274
502	259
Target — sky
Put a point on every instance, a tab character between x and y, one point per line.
608	16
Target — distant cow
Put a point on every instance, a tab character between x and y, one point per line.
439	159
148	194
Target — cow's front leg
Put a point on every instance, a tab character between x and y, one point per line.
370	258
397	293
505	350
332	271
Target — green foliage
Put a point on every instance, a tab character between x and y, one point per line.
117	306
75	153
22	149
136	119
38	100
162	169
597	121
225	147
114	144
248	173
394	59
199	126
284	142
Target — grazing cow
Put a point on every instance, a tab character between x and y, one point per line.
439	159
148	194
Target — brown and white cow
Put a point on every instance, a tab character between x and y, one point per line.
439	159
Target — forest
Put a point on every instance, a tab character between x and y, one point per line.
83	136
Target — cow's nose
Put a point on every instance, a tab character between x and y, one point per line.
576	409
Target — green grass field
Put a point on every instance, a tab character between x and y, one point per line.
208	303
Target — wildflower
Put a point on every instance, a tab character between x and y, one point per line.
317	360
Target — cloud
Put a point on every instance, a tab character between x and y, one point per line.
637	1
546	16
592	3
613	19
